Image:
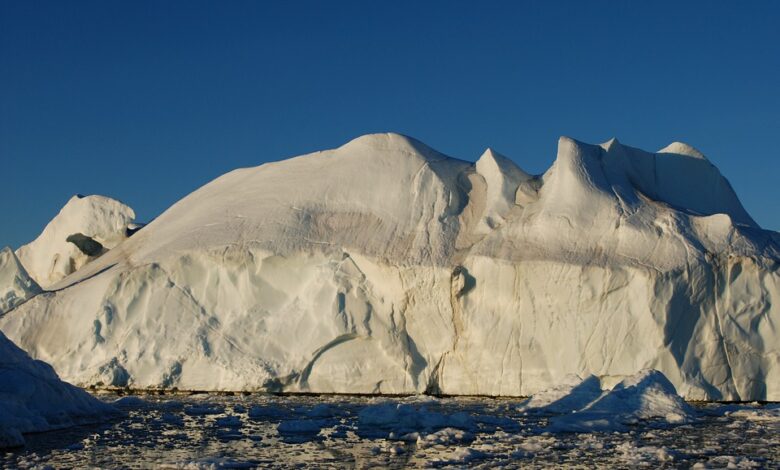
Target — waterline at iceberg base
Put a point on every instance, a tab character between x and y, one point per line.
385	267
571	425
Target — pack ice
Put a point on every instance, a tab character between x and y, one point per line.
384	266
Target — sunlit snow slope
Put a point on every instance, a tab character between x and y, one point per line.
384	266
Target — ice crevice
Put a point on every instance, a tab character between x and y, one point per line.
306	371
719	325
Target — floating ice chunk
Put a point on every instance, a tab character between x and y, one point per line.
573	394
229	422
266	413
489	423
212	463
301	426
463	455
633	455
729	461
647	395
130	401
203	409
752	412
397	419
320	410
172	419
533	445
446	436
302	430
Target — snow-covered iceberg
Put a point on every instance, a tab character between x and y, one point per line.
384	266
34	399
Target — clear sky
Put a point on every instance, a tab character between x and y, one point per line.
147	101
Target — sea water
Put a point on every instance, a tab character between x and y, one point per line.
249	431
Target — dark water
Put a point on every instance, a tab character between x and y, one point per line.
207	431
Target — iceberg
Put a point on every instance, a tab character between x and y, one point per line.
584	407
386	267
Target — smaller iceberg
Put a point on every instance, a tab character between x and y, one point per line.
34	399
582	406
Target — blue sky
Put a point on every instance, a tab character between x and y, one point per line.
147	101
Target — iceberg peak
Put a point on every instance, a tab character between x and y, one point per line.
501	163
389	142
50	257
681	148
611	144
572	152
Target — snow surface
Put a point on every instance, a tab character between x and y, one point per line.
16	286
34	399
384	266
50	257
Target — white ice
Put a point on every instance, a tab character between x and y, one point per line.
34	399
16	286
50	257
384	266
584	407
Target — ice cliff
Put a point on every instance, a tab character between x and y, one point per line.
384	266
